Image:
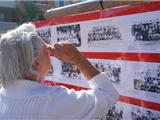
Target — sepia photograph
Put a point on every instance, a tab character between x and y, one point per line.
69	33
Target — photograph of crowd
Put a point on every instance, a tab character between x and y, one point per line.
69	33
143	114
103	33
146	30
112	70
148	81
45	34
70	71
113	114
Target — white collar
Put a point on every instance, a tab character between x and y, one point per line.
23	88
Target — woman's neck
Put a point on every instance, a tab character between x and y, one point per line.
32	78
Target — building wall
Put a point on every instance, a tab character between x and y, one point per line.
7	11
8	16
5	26
8	4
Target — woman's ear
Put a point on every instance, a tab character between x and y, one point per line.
36	65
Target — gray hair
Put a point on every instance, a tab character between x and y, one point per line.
18	49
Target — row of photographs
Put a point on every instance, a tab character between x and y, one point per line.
134	79
139	33
123	111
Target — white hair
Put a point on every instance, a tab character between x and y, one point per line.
18	49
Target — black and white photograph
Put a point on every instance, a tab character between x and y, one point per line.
104	33
116	113
142	80
69	33
112	70
138	113
70	71
45	34
147	30
148	80
142	32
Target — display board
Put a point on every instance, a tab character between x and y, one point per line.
124	43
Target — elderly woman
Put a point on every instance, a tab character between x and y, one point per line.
24	63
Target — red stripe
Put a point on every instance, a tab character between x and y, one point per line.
145	57
69	19
53	83
141	8
43	23
140	102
